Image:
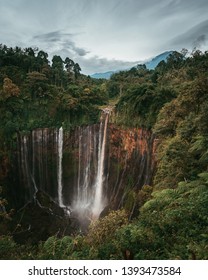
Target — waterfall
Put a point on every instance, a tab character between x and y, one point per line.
99	200
82	196
25	166
40	164
33	165
89	199
59	169
100	160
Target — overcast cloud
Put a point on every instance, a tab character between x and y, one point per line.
105	35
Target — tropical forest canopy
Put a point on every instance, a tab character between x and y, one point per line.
171	101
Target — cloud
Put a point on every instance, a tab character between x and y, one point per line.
105	35
196	37
97	64
62	41
54	36
200	41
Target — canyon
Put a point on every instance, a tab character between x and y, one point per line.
86	171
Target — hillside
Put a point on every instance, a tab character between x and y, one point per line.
94	169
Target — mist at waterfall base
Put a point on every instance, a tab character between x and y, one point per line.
84	170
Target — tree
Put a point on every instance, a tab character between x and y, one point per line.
57	62
30	52
10	89
102	233
41	60
175	60
37	83
43	56
77	70
69	64
58	68
174	163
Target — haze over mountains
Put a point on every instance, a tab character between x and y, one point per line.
150	64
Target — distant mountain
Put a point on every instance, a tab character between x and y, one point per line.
105	75
157	59
151	64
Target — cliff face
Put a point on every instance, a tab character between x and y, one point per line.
70	176
131	157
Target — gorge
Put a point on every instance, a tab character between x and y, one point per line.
86	170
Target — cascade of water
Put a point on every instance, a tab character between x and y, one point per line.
79	167
59	169
25	161
83	196
33	165
98	203
88	200
86	176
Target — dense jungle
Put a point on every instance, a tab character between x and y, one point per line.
142	136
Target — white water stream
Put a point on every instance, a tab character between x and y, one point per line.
99	200
89	199
59	169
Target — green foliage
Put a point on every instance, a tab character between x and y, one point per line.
100	237
144	195
34	94
130	201
141	104
8	248
104	228
181	124
173	163
172	225
56	248
113	88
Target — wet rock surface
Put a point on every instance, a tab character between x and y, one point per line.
40	219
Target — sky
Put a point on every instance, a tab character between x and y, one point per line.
105	35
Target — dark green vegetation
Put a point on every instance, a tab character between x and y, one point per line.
172	101
31	87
